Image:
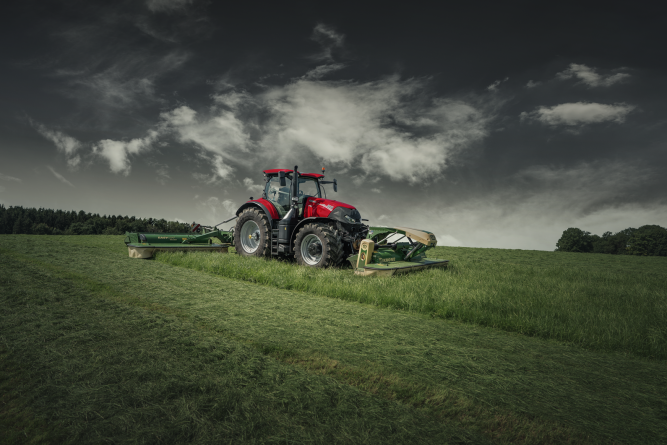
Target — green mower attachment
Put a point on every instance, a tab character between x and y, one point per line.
143	245
378	257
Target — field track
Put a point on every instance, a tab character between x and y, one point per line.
96	346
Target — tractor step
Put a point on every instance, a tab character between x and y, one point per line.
274	241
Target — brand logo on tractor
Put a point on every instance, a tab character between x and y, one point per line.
327	206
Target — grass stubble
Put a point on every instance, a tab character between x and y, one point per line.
472	380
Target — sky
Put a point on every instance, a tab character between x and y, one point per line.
489	125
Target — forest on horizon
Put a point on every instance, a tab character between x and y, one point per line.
32	221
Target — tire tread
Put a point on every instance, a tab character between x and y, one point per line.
260	218
333	239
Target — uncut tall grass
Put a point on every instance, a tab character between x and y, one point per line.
599	307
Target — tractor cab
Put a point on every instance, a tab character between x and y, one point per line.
279	195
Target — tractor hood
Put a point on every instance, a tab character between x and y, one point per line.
330	208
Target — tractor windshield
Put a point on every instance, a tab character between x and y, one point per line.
279	196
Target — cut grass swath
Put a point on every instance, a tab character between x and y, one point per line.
78	367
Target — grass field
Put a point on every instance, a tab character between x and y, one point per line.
98	347
603	302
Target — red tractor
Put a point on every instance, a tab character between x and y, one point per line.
294	218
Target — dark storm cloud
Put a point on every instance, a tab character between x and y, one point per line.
168	5
495	139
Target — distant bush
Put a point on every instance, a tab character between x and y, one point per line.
41	229
575	240
649	240
111	231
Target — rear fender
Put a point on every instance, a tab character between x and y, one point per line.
260	206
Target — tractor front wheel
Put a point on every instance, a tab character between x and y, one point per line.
317	245
251	234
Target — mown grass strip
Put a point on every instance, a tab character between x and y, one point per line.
597	307
500	425
98	371
604	397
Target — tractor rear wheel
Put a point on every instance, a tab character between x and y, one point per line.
252	234
318	245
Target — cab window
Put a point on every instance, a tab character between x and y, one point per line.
279	196
308	187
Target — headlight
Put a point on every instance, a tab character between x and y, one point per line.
350	219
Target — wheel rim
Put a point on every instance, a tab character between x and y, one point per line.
250	236
311	249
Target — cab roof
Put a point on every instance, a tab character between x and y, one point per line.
275	171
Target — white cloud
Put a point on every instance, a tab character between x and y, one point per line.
579	113
322	70
64	143
117	153
329	39
161	171
221	132
229	206
167	5
60	177
532	84
9	178
494	86
129	83
385	127
589	77
376	190
220	171
216	210
252	187
113	90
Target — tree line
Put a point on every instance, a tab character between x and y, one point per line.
649	240
31	221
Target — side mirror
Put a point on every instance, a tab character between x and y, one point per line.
335	186
282	179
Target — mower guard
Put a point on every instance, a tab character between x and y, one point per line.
378	257
144	245
398	267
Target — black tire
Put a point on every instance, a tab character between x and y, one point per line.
323	246
258	227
